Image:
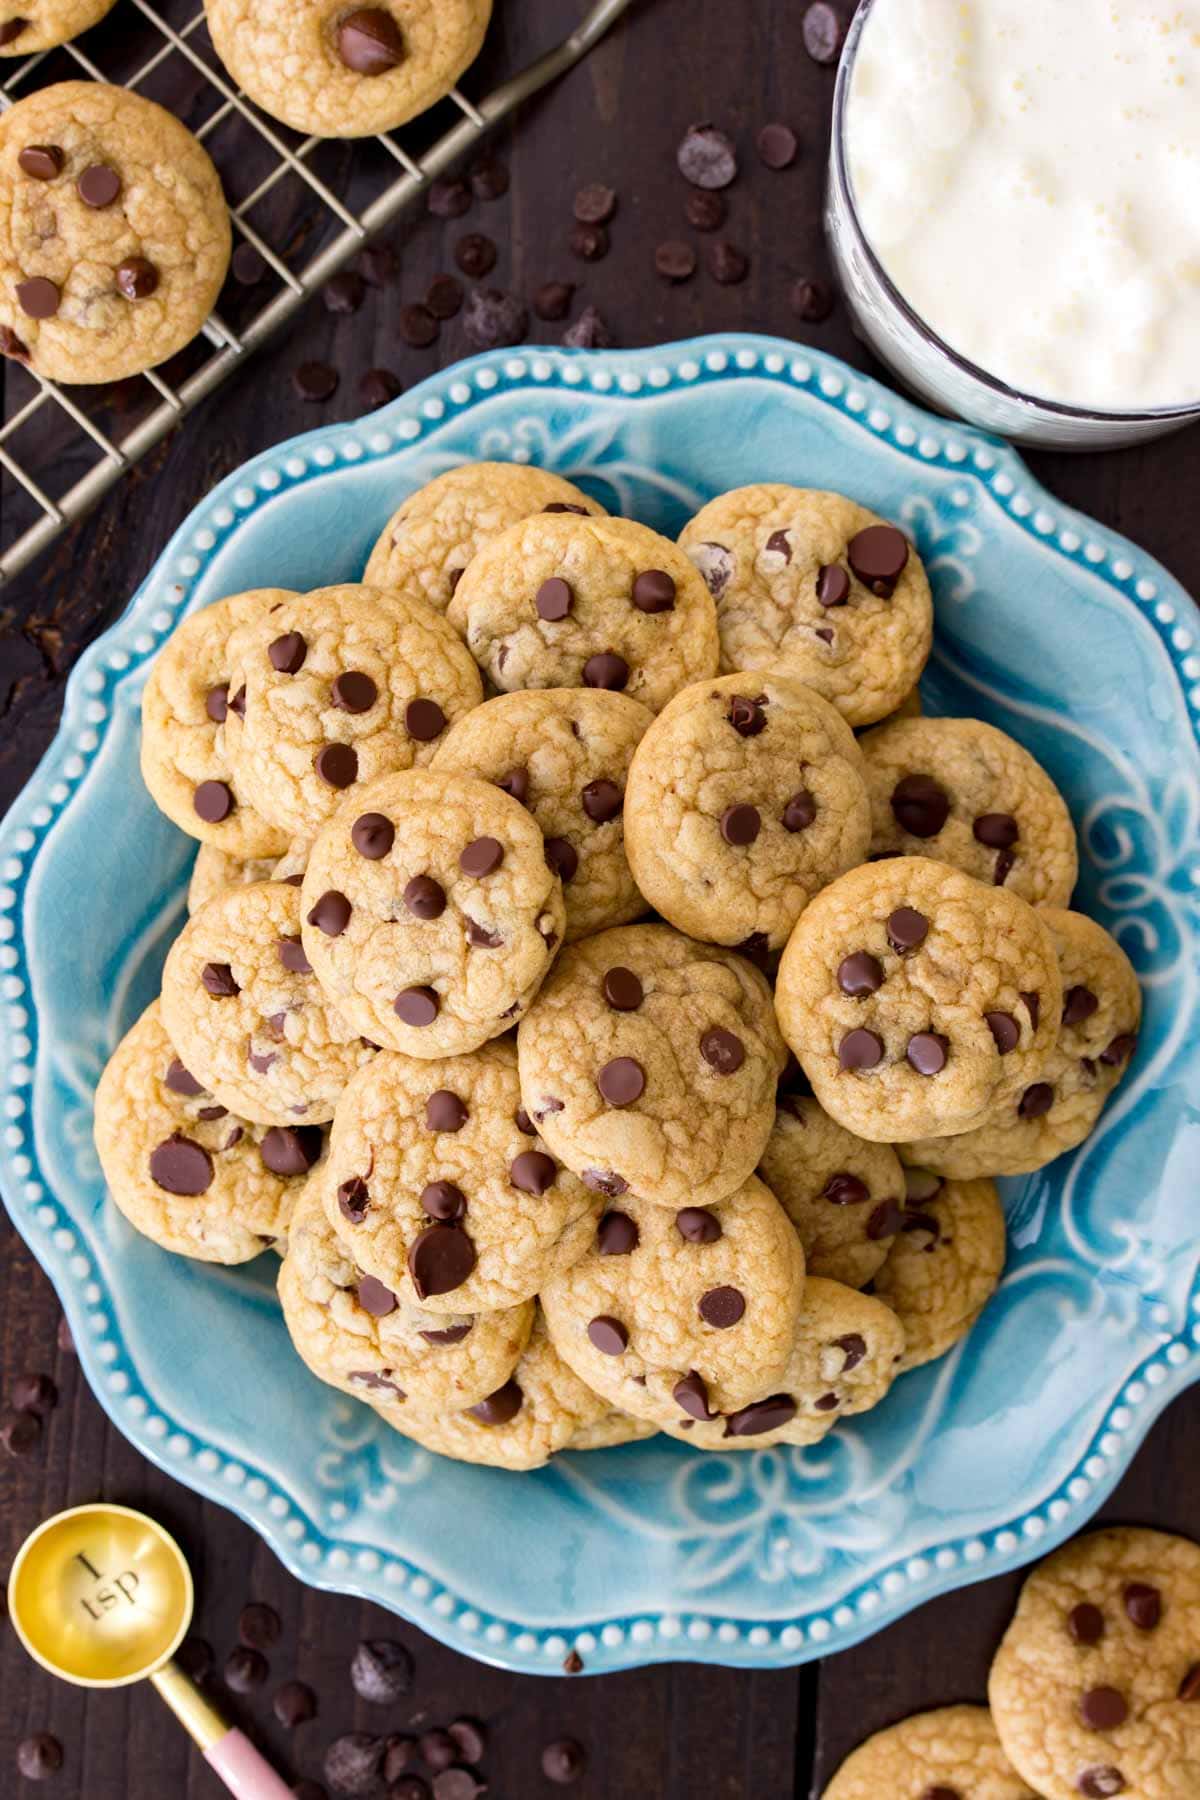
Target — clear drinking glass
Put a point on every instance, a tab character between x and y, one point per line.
938	374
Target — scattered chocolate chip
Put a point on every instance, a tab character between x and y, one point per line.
1143	1603
833	585
331	913
417	1006
353	692
445	296
1103	1708
38	297
195	1657
315	381
533	1172
1101	1782
20	1430
137	278
907	929
776	146
704	210
616	1235
690	1395
492	318
654	591
920	805
926	1052
443	1201
417	325
675	261
554	599
722	1050
1122	1046
458	1784
42	161
606	670
444	1111
621	1081
381	1671
563	1761
1033	1007
1189	1687
291	1149
286	654
1079	1003
605	1181
844	1189
878	556
706	157
588	242
248	264
726	263
595	204
860	1049
800	811
448	198
498	1409
375	1298
1036	1100
553	299
488	177
11	344
451	1334
440	1259
860	974
99	185
475	255
344	292
589	332
722	1307
811	299
369	41
740	824
424	720
608	1335
352	1763
180	1166
245	1669
481	857
1085	1623
259	1625
290	951
354	1199
40	1756
380	265
761	1416
35	1393
602	800
293	1704
746	716
822	32
213	801
696	1225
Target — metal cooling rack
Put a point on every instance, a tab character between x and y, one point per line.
115	450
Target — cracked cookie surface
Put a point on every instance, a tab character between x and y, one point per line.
950	1754
917	1000
431	912
814	587
945	1262
1097	1037
441	1190
114	233
964	793
843	1195
215	870
335	71
564	753
432	536
338	687
685	1315
1096	1685
357	1335
745	798
185	749
247	1014
560	601
649	1064
183	1169
844	1357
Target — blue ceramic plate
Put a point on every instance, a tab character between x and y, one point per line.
1049	626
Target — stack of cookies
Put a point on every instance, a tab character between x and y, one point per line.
631	1050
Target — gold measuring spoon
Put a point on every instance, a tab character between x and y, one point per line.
102	1596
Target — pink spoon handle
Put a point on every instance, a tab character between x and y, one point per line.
244	1771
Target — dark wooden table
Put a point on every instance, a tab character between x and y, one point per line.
686	1733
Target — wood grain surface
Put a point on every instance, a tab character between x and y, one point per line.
680	1732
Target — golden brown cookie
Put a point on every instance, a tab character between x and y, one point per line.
843	1195
950	1754
945	1262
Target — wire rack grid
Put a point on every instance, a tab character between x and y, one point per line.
110	445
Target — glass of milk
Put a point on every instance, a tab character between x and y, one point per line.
1014	209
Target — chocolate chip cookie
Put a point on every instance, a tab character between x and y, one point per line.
429	540
338	71
682	1315
814	587
843	1195
186	707
649	1064
1095	1689
910	992
357	1335
114	232
745	798
562	601
440	1188
543	1408
184	1170
243	1008
945	1262
431	911
335	688
564	753
845	1355
951	1754
215	870
57	21
964	793
1097	1036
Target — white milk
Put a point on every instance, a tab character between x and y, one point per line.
1028	174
